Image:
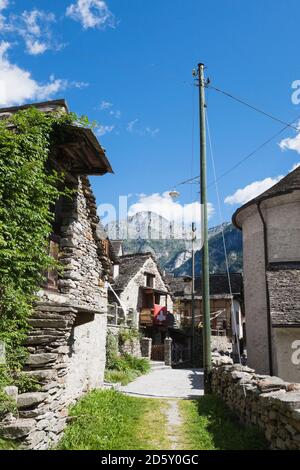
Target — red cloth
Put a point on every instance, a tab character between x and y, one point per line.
160	314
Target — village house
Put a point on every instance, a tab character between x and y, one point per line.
222	303
271	244
143	293
67	339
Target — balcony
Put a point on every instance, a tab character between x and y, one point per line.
117	318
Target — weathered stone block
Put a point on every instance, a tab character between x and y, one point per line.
28	400
291	399
271	383
37	360
16	429
48	323
11	391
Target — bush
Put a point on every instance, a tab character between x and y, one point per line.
7	405
118	376
126	368
128	335
112	350
26	383
140	364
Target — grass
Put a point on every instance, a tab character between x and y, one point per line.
126	368
210	425
108	420
8	445
120	376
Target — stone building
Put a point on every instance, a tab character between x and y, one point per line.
271	243
67	340
221	303
144	293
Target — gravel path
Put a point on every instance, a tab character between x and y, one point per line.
174	423
167	383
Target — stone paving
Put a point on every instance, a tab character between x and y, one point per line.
167	383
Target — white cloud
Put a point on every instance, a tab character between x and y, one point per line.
101	130
17	84
165	206
296	165
243	195
34	27
142	131
35	47
91	14
3	4
105	105
115	113
291	143
131	125
152	132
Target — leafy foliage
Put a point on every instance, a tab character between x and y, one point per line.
128	335
125	368
112	349
28	190
7	405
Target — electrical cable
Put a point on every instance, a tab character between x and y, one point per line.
233	318
254	108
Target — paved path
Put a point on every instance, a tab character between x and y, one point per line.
167	383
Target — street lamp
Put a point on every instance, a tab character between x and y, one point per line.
174	194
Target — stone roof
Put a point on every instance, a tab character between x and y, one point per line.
218	285
284	293
130	265
78	146
290	183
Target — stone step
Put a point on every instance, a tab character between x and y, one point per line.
17	428
158	365
112	386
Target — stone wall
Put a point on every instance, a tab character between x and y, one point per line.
67	340
261	400
131	346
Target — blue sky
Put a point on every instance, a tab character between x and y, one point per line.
128	64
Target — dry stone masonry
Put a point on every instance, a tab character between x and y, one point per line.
261	400
66	343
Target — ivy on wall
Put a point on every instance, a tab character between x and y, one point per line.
28	190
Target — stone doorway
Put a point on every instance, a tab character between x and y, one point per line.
158	352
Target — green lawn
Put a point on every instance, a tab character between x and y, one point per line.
108	420
7	445
210	425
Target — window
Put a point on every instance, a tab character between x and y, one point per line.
149	280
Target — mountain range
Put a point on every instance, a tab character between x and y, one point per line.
171	243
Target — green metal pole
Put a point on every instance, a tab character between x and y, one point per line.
204	227
193	292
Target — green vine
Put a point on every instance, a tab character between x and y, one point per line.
28	191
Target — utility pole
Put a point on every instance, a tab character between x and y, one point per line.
204	229
193	293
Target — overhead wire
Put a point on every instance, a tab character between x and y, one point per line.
254	108
241	161
233	317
